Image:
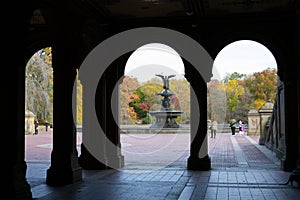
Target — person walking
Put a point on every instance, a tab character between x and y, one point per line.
46	124
208	124
214	128
232	125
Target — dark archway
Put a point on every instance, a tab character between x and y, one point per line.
276	28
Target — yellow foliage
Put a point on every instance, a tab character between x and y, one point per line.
259	103
235	87
79	103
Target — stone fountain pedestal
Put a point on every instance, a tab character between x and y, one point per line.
166	118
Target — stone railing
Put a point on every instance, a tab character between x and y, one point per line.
29	122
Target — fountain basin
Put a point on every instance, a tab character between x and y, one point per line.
166	118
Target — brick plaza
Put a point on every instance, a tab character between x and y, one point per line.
155	168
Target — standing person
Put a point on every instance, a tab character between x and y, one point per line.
46	124
243	129
214	128
36	127
240	125
208	124
232	125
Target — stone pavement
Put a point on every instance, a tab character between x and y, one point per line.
155	168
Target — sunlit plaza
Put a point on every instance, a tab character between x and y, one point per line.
155	168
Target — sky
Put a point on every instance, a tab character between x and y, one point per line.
244	57
152	59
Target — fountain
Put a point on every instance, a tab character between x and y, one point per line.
166	117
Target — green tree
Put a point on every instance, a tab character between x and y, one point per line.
233	76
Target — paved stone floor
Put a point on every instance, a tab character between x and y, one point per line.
155	168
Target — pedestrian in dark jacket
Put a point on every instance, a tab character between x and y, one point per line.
36	127
232	125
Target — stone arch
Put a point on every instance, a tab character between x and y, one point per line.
158	52
284	53
273	42
190	50
40	35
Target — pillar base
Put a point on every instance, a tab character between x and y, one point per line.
19	187
288	165
261	141
87	161
201	164
63	176
116	163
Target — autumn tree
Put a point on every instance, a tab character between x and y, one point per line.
181	100
262	85
143	98
39	84
234	90
126	90
140	107
241	111
216	108
245	92
79	102
150	90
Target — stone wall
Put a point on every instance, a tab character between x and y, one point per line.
253	122
29	122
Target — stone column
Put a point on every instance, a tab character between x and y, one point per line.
199	158
93	153
289	74
253	122
13	141
281	148
64	167
265	113
86	159
113	149
298	80
14	156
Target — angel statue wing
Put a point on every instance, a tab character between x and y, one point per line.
171	76
161	76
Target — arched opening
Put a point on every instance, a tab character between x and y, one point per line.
144	144
244	81
211	24
38	114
